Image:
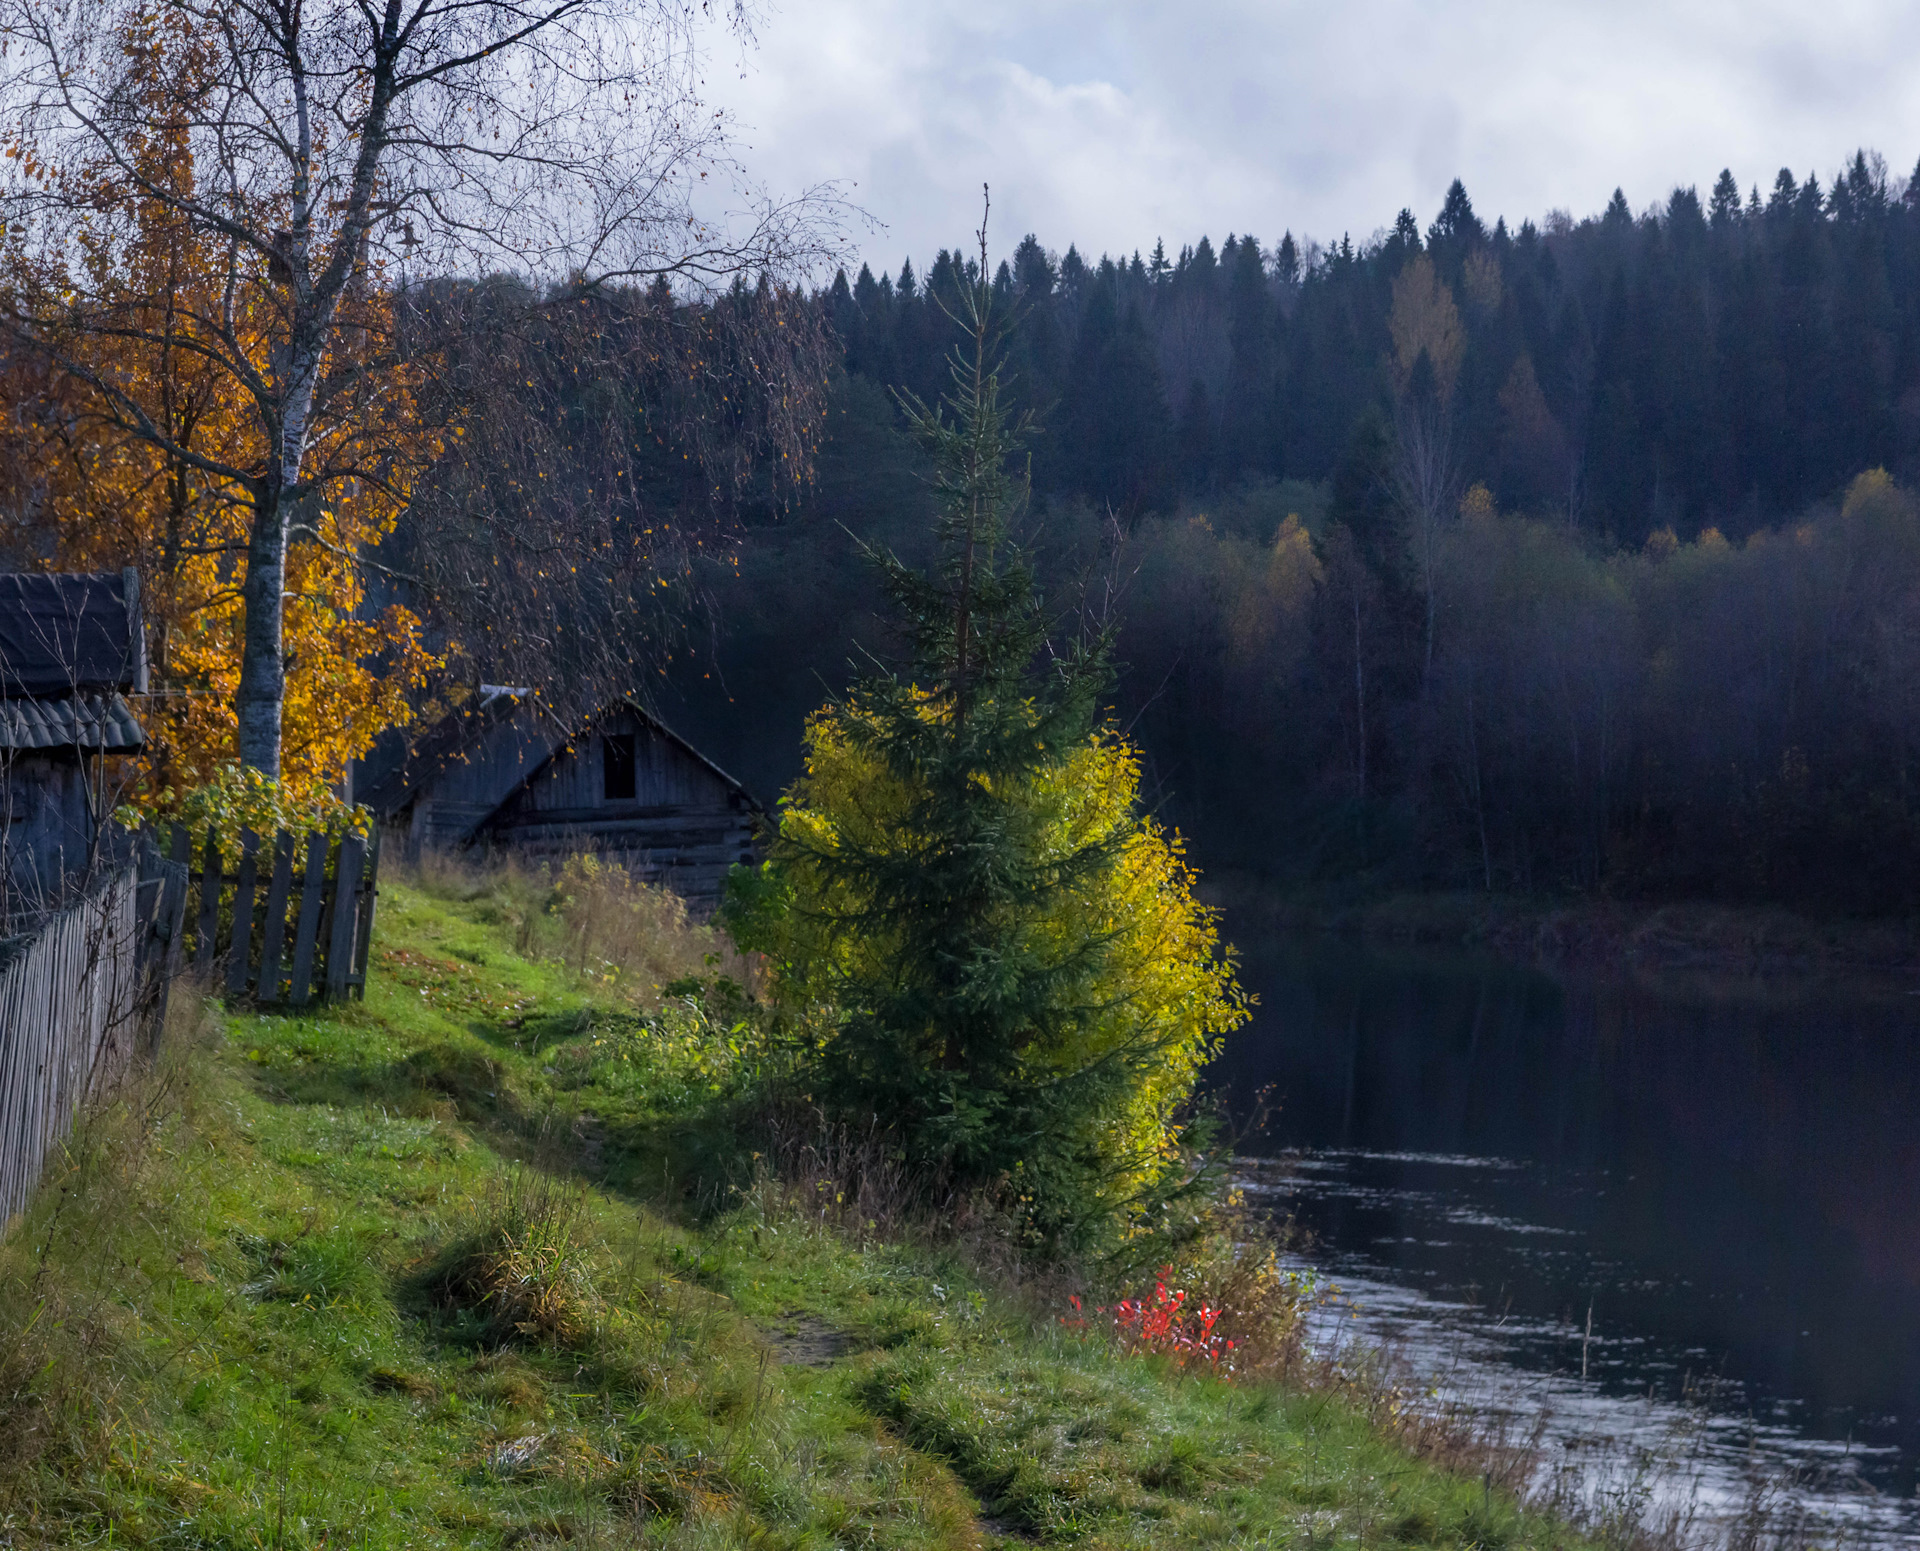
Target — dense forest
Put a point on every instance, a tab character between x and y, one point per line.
1550	559
1704	364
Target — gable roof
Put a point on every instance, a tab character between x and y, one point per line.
448	742
654	724
64	633
564	745
460	736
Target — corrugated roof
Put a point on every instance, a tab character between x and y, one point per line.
101	723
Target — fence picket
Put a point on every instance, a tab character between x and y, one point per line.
310	901
240	944
273	929
209	930
346	889
363	945
177	916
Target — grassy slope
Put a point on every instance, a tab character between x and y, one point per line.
233	1339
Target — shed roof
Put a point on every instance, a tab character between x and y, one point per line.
102	723
65	633
456	735
419	763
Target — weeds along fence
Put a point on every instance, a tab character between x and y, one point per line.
87	991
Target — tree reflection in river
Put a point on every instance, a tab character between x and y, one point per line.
1726	1173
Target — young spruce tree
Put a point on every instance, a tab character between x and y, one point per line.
997	954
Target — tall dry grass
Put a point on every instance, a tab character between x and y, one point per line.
629	939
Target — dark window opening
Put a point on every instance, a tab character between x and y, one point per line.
618	766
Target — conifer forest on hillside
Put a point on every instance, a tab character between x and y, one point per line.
1576	557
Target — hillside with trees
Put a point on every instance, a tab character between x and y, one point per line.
1719	362
1571	558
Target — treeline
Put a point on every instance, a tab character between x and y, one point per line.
1719	362
1566	559
1705	719
1465	559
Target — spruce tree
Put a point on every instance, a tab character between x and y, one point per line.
1723	210
998	954
1286	261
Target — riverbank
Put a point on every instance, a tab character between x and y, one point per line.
1679	937
453	1267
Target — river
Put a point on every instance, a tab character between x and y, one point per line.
1674	1220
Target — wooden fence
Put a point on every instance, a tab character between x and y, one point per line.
264	927
72	1000
87	991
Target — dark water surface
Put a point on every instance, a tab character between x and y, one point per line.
1723	1175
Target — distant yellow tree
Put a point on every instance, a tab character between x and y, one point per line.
1424	318
1276	602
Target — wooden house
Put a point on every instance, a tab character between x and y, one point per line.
71	648
504	774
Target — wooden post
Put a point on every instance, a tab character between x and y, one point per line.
303	938
240	949
273	930
346	884
363	946
154	963
148	894
177	913
209	904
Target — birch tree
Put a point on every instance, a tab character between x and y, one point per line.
327	143
1428	343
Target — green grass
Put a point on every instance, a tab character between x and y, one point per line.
458	1266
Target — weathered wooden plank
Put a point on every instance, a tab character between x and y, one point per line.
273	927
173	888
346	886
311	891
66	1015
240	945
15	1094
177	917
209	928
150	894
363	945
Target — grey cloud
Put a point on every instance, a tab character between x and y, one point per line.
1109	125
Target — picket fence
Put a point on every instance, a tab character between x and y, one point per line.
70	1006
87	992
306	936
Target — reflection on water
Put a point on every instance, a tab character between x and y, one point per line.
1722	1179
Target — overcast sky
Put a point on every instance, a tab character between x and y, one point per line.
1111	124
